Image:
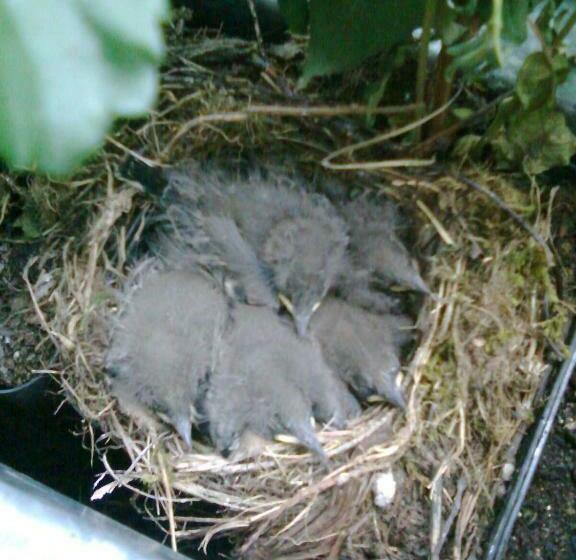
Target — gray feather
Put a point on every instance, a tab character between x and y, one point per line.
356	287
164	342
362	347
269	382
376	247
198	230
298	236
239	257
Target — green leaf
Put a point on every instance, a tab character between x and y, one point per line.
68	68
535	84
539	140
296	14
467	145
344	33
539	77
374	93
450	30
515	20
483	50
465	7
29	226
463	113
475	54
548	141
128	25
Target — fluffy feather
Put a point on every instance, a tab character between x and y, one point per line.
295	235
375	246
362	347
270	382
164	344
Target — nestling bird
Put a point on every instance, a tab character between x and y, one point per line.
215	244
375	246
199	338
269	382
356	286
362	348
164	343
175	344
298	238
194	229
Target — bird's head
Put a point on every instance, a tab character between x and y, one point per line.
305	256
400	267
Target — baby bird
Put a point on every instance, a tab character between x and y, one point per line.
164	343
376	248
215	244
298	239
362	347
306	257
193	229
269	382
357	288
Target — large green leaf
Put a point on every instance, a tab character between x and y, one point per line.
67	69
528	130
343	32
483	50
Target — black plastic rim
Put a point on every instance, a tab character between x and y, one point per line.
502	531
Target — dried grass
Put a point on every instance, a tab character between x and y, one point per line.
472	381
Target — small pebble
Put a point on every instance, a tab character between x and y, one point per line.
507	471
384	488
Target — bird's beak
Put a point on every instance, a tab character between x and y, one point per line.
419	285
390	389
302	323
285	301
396	397
184	428
301	320
306	435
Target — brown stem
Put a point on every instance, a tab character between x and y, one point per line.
442	90
429	13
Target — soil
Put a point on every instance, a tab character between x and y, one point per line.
546	526
24	347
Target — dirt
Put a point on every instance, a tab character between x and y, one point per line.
23	344
546	526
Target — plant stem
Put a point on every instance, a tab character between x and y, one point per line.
429	13
570	22
442	91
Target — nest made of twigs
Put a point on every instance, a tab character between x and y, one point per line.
471	382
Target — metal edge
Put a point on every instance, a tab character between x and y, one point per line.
500	536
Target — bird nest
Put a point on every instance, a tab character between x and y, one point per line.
397	485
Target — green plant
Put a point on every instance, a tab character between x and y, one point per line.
344	33
528	130
68	69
